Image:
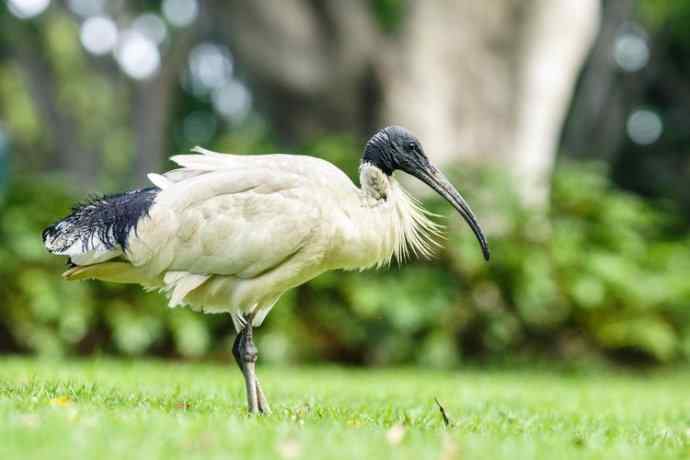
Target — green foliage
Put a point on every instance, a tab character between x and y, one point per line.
389	13
147	410
41	312
603	274
670	14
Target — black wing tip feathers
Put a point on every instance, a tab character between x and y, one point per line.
107	218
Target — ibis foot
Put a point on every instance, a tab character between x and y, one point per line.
246	354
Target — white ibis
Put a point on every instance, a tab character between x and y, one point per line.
231	233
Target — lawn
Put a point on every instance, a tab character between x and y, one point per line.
129	410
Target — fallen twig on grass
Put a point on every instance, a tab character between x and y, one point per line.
444	414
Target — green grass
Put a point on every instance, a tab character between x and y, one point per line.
148	410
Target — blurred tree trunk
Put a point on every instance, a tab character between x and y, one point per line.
310	61
596	123
69	154
152	104
486	82
491	81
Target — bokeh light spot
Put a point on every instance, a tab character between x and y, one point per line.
644	127
152	26
87	8
233	100
631	48
27	9
99	35
210	67
180	13
138	56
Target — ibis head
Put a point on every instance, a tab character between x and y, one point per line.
395	148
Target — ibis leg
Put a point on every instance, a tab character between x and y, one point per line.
246	354
264	408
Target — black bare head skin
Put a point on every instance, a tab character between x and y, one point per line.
393	148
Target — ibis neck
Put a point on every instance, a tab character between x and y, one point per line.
376	185
389	223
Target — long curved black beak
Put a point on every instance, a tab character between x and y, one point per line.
435	179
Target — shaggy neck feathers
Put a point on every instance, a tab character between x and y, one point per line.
406	226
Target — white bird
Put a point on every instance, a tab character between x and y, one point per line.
232	233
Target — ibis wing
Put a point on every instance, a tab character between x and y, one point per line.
240	222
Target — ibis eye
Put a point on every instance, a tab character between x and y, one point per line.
411	147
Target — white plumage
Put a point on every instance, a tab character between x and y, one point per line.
232	233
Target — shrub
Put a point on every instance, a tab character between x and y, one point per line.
603	273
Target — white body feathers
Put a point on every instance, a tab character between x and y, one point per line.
231	233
